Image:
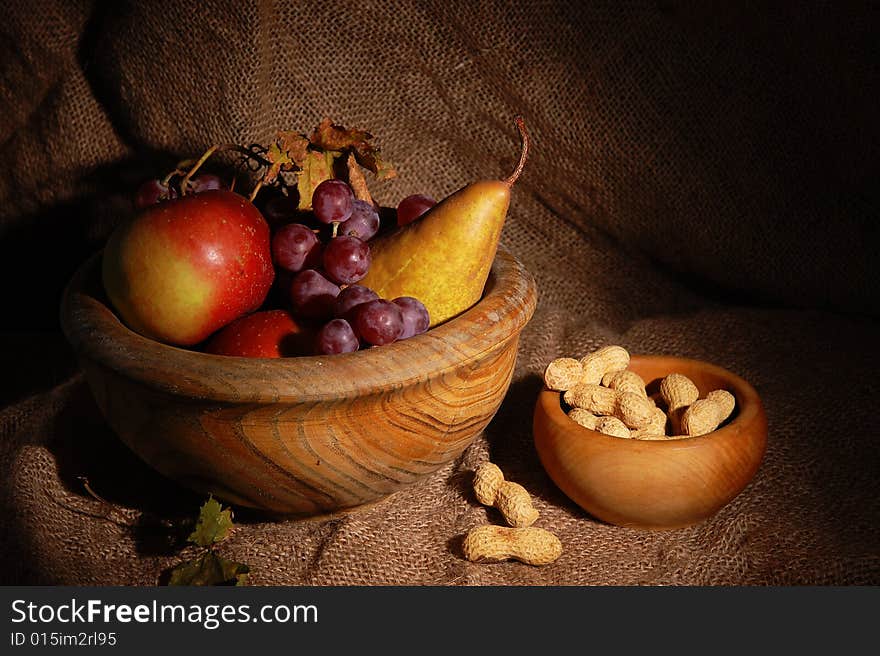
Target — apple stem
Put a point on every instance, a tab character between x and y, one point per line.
524	152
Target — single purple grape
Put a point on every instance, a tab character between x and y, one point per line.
295	247
346	259
336	336
151	192
349	298
378	322
412	207
415	316
312	295
332	201
363	222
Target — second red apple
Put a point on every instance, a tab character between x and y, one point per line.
264	334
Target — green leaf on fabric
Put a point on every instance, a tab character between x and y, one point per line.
209	569
213	524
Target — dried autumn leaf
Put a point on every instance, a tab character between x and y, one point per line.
296	146
314	159
330	136
213	524
369	157
209	569
279	159
357	180
317	167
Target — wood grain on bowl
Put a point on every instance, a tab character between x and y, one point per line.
307	435
655	484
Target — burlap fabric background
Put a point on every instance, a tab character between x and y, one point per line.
700	184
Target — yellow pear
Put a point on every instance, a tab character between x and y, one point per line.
444	257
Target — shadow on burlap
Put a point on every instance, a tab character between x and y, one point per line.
698	186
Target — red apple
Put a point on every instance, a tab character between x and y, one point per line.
184	268
264	334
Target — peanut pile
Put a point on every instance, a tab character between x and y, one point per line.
604	395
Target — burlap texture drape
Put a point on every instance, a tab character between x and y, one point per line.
701	184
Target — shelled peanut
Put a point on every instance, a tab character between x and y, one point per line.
601	393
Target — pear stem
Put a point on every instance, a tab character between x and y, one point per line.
524	153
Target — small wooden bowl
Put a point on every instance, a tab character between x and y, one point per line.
655	484
309	435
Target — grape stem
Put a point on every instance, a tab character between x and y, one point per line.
524	152
247	152
196	167
180	170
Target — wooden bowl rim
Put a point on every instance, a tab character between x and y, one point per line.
749	407
96	333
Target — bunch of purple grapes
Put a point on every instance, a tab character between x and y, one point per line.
321	276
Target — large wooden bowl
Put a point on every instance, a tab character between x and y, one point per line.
655	484
308	435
